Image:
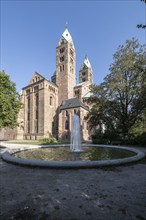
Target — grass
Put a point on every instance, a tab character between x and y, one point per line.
36	142
26	142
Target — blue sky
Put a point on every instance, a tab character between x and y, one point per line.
30	32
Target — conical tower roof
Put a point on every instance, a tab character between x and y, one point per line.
86	63
66	36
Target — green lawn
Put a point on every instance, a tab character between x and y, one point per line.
27	142
36	142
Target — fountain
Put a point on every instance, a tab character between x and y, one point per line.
60	156
75	145
89	155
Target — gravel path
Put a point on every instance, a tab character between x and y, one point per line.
116	193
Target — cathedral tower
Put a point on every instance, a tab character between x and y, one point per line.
86	73
65	67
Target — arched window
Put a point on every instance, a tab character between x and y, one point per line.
28	102
51	100
37	106
66	124
37	100
78	113
62	49
60	68
66	113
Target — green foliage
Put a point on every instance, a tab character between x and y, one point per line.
9	102
132	139
67	141
141	139
112	138
143	26
119	102
99	138
48	141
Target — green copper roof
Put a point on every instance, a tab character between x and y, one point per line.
67	35
82	83
86	63
88	95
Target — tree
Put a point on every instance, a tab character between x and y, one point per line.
143	26
9	102
121	98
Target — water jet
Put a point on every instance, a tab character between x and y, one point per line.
76	159
75	145
75	155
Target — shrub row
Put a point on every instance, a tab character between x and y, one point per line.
48	141
124	140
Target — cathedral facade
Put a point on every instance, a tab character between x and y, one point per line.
49	105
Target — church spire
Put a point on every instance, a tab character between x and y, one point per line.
65	67
86	73
86	63
65	37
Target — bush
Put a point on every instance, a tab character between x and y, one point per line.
141	139
48	141
99	138
132	139
99	141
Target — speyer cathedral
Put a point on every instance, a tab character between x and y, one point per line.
48	106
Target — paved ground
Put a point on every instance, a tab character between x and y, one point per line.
117	193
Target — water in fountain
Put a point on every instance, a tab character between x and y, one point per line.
75	145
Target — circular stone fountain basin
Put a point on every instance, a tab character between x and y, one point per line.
60	156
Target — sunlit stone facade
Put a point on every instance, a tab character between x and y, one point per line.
48	106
